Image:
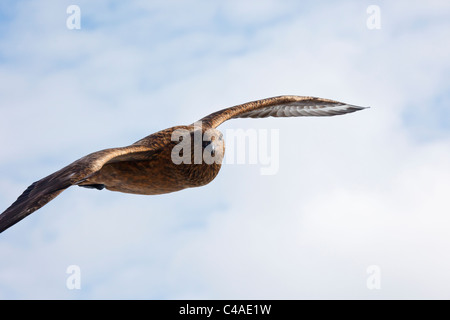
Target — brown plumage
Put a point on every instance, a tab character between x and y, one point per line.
148	167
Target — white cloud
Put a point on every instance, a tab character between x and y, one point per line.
351	191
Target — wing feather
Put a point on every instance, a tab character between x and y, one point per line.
41	192
282	106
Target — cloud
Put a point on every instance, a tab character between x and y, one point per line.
363	189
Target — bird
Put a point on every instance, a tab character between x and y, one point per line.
169	160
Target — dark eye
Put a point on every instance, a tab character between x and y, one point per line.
205	144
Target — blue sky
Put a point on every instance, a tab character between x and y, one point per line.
365	189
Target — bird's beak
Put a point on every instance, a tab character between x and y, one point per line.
213	150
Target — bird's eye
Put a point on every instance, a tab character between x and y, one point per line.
205	144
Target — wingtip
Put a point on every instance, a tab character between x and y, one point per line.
357	108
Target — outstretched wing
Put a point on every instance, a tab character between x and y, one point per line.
282	106
46	189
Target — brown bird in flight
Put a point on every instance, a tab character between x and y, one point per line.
166	161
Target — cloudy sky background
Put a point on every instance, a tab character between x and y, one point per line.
369	188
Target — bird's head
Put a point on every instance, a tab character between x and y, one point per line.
197	145
213	146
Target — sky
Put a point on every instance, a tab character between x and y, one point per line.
358	208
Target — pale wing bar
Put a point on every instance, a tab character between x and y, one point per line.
281	106
301	109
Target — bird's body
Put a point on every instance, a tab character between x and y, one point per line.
167	161
156	173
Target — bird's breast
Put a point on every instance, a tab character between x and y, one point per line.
156	176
